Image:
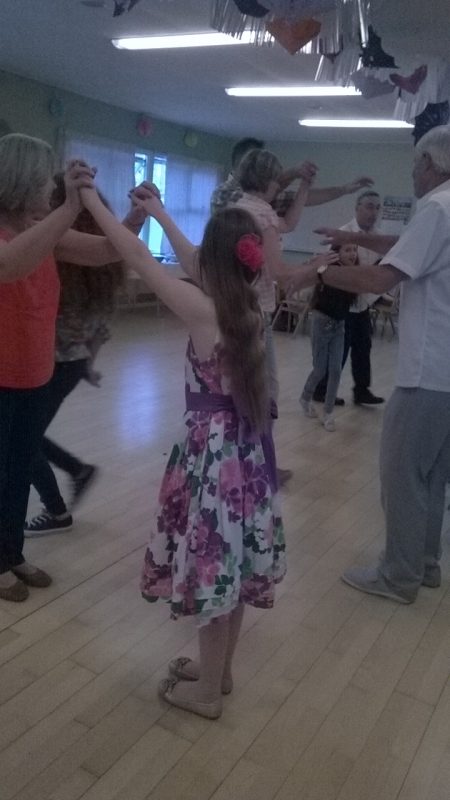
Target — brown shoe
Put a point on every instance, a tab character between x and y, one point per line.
38	579
16	593
283	476
211	710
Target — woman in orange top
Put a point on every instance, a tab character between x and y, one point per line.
30	237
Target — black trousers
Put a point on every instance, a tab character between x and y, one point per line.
22	424
65	378
358	341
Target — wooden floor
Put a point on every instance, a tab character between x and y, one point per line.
339	696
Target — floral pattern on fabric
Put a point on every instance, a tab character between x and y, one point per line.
218	538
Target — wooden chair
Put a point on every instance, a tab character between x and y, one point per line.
386	312
296	306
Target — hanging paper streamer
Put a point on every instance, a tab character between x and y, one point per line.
342	22
299	9
227	17
370	86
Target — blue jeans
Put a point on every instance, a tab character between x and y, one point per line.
327	338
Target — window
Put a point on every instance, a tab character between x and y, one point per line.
186	186
153	169
115	165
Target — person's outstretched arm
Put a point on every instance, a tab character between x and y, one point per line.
90	250
184	250
378	242
318	196
186	301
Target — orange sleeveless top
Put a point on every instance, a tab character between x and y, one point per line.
28	309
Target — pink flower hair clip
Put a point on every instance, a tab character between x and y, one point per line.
249	250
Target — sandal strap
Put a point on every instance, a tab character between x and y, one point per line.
181	662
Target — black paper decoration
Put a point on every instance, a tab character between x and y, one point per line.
434	114
373	55
251	7
120	6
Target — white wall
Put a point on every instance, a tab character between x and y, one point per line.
388	164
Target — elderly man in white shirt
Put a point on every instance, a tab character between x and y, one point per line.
415	445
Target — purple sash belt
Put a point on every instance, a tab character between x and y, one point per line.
205	401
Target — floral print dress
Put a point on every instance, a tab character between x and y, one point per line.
218	539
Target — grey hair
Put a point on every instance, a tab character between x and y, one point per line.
26	166
257	169
436	143
363	195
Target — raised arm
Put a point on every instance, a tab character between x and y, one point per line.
185	300
88	250
292	216
27	250
185	251
379	243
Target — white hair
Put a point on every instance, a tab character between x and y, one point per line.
436	143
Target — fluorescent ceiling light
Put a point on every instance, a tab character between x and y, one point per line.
355	123
181	40
293	91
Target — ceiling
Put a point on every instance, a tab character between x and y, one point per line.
66	44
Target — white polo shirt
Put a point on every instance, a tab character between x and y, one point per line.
423	253
366	257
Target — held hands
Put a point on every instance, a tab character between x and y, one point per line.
146	200
306	172
358	183
137	214
78	177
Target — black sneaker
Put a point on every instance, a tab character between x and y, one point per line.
320	398
366	398
45	523
432	576
82	482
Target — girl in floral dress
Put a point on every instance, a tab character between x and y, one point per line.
218	542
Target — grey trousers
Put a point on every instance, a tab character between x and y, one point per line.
414	470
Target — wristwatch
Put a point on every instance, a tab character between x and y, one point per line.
321	272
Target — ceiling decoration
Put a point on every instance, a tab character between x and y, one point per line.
121	6
351	51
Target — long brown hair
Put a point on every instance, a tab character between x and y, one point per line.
86	290
229	283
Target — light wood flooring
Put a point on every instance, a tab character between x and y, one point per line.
339	696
